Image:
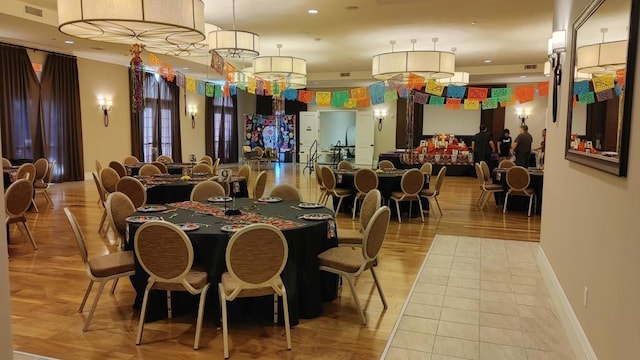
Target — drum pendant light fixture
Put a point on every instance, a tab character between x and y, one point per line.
428	64
234	43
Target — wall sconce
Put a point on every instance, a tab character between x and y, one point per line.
556	46
380	114
105	106
193	111
523	115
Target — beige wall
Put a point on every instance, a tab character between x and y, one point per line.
536	121
590	231
192	139
6	345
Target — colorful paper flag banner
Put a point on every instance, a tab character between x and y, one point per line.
525	93
359	93
404	92
191	85
351	103
217	91
420	98
477	93
305	96
217	63
259	87
365	102
453	104
489	103
602	83
180	79
618	90
229	71
543	88
323	98
604	95
507	100
587	98
456	92
390	95
339	98
620	76
471	104
395	82
501	92
416	82
436	100
200	87
209	89
581	87
233	90
434	88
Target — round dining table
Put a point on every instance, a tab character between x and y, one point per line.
307	287
172	168
167	188
519	203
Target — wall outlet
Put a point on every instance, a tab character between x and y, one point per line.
585	297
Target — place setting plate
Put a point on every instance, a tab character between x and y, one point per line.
310	205
142	219
151	208
188	226
316	216
270	199
233	227
220	199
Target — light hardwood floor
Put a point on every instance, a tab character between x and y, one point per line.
47	286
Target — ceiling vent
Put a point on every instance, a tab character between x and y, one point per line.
345	74
531	67
32	11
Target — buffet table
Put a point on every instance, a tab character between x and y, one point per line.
461	167
307	287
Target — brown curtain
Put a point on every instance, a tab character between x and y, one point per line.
221	128
62	118
170	91
20	105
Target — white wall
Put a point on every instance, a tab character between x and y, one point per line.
440	120
590	230
536	122
333	127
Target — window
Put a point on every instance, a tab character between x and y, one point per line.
224	136
157	125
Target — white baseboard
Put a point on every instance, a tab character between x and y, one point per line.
577	337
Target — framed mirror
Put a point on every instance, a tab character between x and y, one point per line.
605	41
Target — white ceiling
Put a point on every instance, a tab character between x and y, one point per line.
340	40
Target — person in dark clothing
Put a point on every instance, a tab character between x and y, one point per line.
482	145
522	146
504	145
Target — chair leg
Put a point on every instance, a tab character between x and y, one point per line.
375	278
479	198
275	308
355	299
420	207
225	335
339	204
355	205
102	221
30	236
485	199
203	297
143	313
438	203
169	312
113	287
398	210
530	203
86	295
35	207
93	307
285	309
506	201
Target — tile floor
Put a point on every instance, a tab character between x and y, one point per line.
479	299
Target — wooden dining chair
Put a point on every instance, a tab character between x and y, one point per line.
118	167
165	159
329	181
131	160
215	166
365	180
206	189
255	258
161	166
17	199
261	183
42	166
426	169
101	269
259	153
134	189
102	198
345	165
6	163
506	164
165	253
480	178
202	169
518	180
411	184
386	165
352	237
433	193
98	167
245	172
351	264
42	187
28	171
149	170
286	192
488	187
109	179
322	199
119	207
207	159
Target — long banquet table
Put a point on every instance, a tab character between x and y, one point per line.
307	287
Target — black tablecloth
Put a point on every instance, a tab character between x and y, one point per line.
452	170
388	182
173	168
307	287
519	203
181	191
